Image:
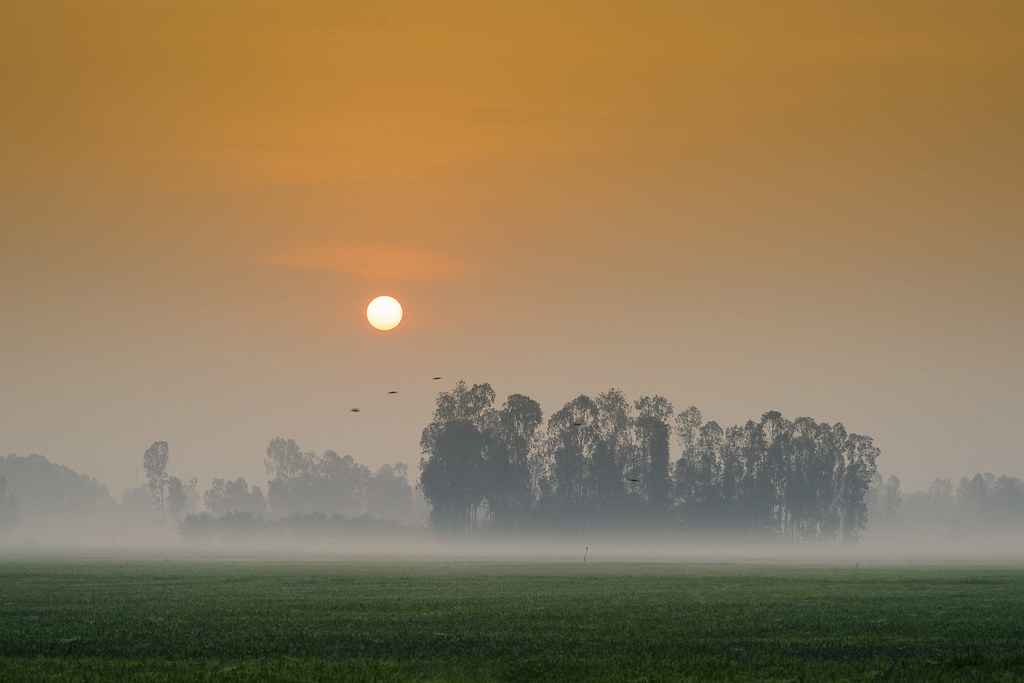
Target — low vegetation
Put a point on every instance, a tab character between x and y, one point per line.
122	617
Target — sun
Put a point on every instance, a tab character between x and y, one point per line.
384	313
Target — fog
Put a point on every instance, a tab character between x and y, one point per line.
910	548
597	485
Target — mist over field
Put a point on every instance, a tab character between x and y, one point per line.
603	479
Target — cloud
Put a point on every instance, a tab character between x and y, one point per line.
373	263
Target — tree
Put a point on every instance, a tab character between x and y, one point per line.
451	476
180	496
509	484
304	482
339	485
461	404
154	463
860	456
883	500
388	494
452	472
225	497
9	512
615	458
688	425
652	426
572	440
290	473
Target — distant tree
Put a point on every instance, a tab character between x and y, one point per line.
883	501
9	512
226	497
688	425
615	456
451	476
54	500
685	487
454	446
1007	495
461	404
154	463
181	496
388	493
860	466
572	440
653	430
290	473
304	482
509	485
137	508
340	485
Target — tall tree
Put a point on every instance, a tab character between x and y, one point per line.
9	512
572	439
452	476
615	455
688	425
388	494
652	425
454	446
290	474
225	497
860	460
180	496
154	463
509	484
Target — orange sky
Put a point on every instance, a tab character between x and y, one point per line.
804	206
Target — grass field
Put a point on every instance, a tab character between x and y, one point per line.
129	618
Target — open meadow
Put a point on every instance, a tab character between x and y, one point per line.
149	618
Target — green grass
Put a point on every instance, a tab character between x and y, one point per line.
103	619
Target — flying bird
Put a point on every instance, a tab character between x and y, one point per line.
354	410
437	378
577	424
392	392
631	479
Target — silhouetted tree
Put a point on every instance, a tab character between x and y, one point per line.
388	493
572	440
860	467
304	483
9	512
883	501
452	476
226	497
461	404
601	467
509	485
181	497
289	473
154	463
616	455
652	426
340	485
54	500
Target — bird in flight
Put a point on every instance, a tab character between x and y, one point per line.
392	392
437	378
354	410
632	479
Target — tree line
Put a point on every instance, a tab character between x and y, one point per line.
598	464
605	464
975	505
317	492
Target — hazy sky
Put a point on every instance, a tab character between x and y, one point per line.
803	206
